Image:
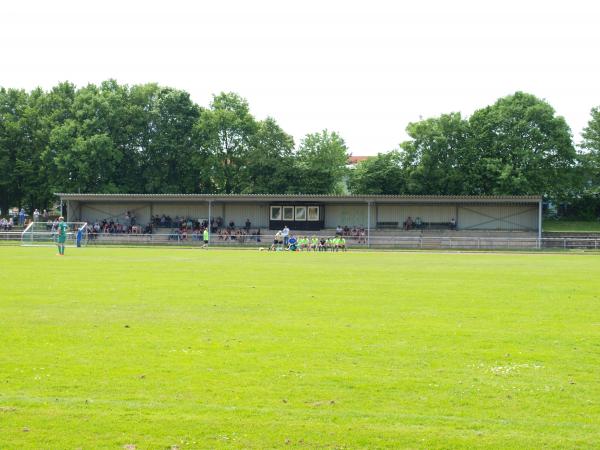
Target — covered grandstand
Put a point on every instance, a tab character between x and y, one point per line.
465	214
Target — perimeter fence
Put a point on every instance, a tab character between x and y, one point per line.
372	242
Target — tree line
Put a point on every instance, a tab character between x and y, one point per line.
148	138
517	146
113	138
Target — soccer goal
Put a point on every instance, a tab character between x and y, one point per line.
45	234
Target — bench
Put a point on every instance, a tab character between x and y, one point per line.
387	224
436	225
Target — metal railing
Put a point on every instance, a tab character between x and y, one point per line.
375	242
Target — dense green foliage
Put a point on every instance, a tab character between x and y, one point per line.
515	146
151	139
163	348
587	204
566	225
154	139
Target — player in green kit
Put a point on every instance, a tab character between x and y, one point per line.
61	238
205	237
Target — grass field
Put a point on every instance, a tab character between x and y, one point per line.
176	348
577	226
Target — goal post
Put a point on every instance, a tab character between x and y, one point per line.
46	233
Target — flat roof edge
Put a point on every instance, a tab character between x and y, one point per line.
302	197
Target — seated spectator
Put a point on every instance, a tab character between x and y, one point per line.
418	223
338	230
408	224
453	224
362	236
346	230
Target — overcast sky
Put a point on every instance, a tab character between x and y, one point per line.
364	69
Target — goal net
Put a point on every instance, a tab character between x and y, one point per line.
46	233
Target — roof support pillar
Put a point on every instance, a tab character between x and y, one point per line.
209	217
540	224
368	224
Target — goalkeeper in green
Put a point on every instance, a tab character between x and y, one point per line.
61	237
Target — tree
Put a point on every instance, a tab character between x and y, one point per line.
380	175
434	160
519	146
591	158
13	141
321	164
224	133
168	161
269	167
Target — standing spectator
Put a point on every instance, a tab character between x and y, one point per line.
21	217
248	224
45	215
36	215
285	234
453	224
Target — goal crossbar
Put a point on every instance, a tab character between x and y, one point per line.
44	234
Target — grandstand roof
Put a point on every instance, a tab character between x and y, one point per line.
303	197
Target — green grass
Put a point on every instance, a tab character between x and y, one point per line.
571	225
244	349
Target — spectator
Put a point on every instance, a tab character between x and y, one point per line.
338	230
21	217
45	216
408	225
248	224
285	234
362	236
36	215
453	224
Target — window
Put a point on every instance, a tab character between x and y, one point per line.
288	213
275	212
300	212
313	213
